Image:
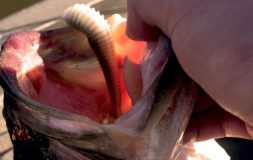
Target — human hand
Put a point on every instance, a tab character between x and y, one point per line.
213	41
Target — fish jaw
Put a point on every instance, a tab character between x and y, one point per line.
152	127
155	124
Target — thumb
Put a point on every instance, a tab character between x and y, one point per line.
137	29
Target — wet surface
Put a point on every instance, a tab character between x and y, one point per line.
20	23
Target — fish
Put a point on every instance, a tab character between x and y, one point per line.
68	86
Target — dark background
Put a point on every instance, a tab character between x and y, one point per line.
238	149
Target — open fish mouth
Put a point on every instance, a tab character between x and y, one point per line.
54	73
58	89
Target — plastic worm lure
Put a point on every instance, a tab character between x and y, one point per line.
95	27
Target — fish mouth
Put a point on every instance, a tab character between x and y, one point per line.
56	87
63	74
55	80
58	70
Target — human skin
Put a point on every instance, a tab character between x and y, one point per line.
213	41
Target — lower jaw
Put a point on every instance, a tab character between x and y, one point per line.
79	132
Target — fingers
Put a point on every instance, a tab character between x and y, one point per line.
215	123
214	46
137	29
203	102
217	54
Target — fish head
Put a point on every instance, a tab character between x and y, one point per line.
57	88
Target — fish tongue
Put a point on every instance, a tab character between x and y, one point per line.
154	126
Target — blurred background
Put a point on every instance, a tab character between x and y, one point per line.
9	6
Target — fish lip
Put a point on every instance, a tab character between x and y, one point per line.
31	107
38	108
32	113
35	107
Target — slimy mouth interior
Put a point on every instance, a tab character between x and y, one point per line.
59	69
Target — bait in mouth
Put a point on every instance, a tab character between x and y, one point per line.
58	89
